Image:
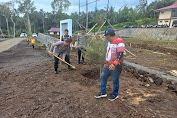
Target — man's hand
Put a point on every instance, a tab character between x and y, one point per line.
76	47
112	67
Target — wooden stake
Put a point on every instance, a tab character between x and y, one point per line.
130	52
100	28
111	26
80	24
61	59
92	28
100	71
98	31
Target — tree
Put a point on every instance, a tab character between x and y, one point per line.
96	52
11	5
60	5
143	5
26	7
5	11
99	19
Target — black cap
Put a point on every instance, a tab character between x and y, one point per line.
68	40
109	31
66	30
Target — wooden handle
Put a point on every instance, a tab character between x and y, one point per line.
61	59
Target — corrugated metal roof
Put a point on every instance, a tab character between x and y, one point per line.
54	30
168	7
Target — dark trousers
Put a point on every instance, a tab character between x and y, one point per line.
33	46
79	55
56	60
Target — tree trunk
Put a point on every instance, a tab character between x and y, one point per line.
14	25
1	32
29	24
25	23
7	23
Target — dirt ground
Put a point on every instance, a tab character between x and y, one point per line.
34	91
157	55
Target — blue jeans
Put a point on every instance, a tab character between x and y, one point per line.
115	76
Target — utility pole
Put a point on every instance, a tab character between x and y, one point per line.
107	8
87	15
79	8
96	5
107	11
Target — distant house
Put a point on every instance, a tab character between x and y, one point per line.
168	15
54	31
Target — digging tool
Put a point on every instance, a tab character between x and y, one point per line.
61	59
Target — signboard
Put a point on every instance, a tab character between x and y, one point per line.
65	24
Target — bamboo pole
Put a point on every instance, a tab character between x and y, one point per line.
92	28
80	24
98	31
130	53
61	59
100	28
100	71
111	26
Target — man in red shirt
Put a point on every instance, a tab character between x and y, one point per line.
113	64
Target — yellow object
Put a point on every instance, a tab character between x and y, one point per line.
33	41
28	39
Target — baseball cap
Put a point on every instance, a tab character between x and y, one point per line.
68	40
109	31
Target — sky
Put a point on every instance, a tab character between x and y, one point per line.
101	4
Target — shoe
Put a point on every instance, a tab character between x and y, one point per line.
56	72
100	95
70	68
112	97
78	63
83	62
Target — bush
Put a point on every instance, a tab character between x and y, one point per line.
96	51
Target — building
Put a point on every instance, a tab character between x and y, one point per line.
54	31
168	15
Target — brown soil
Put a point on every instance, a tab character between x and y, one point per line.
36	92
149	46
152	56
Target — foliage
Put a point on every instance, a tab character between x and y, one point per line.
96	52
60	5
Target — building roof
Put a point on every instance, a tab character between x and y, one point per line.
54	30
173	6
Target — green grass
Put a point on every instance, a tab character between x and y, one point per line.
39	44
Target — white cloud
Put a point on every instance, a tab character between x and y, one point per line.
102	4
72	9
45	7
